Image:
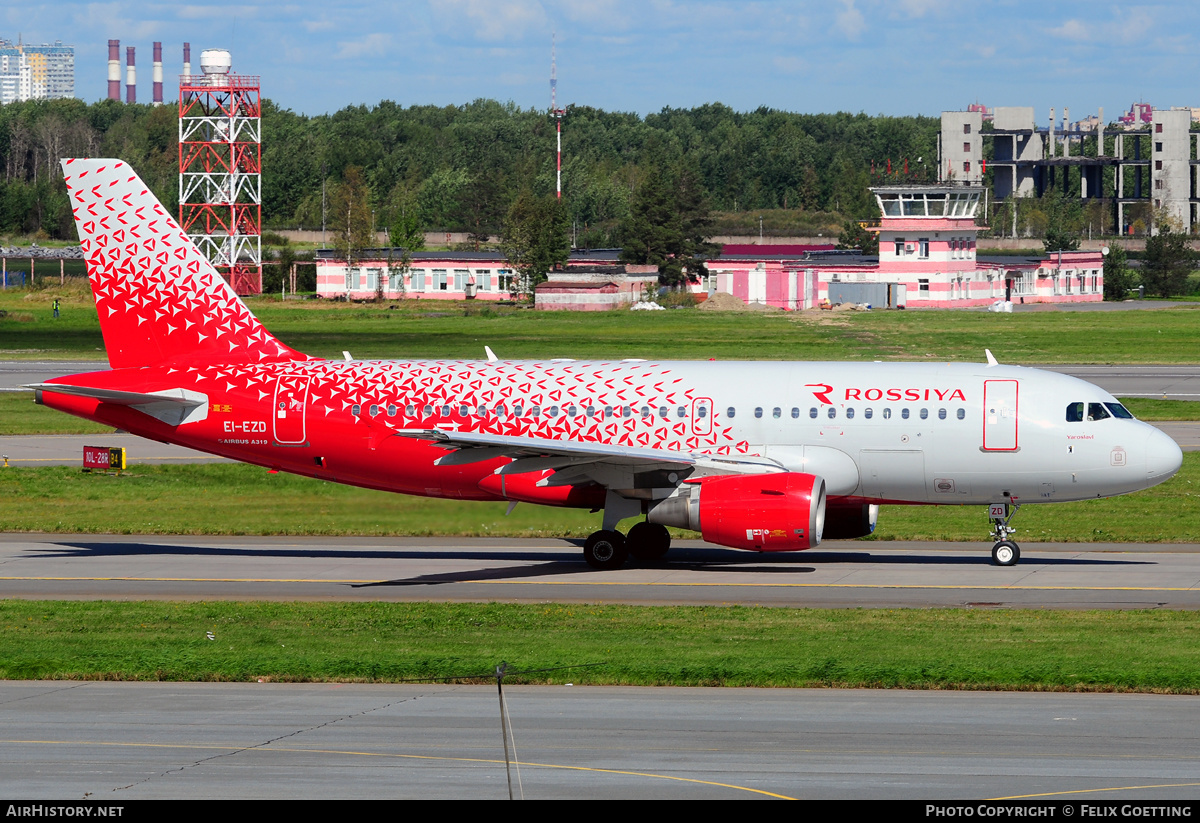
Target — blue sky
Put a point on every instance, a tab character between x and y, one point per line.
894	57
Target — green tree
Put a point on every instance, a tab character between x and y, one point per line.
534	238
1064	217
350	216
669	226
854	236
1169	261
1118	277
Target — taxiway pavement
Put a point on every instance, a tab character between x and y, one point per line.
121	742
914	574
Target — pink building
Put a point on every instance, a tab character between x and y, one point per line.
927	259
431	276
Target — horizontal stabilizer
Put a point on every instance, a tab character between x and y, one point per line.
172	406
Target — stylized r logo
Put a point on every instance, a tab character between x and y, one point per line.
823	394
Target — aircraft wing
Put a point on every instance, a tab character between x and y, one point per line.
172	406
575	461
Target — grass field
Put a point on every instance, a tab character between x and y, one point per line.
239	499
437	329
627	645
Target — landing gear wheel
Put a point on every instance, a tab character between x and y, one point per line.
648	542
1006	553
605	550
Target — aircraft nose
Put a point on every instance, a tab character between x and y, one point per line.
1163	456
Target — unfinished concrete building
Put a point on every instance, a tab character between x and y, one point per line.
1153	167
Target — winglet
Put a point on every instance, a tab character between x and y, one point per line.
991	358
491	355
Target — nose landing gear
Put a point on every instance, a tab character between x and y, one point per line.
1005	552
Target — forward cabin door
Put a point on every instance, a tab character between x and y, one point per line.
291	400
1000	416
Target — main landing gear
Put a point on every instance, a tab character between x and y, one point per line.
1005	552
609	549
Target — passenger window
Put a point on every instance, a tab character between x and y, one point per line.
591	411
645	412
758	411
552	411
1074	412
904	413
410	410
535	411
356	410
445	411
374	410
428	410
867	413
941	414
702	412
777	412
962	414
627	411
481	411
795	413
850	414
391	410
1096	411
887	414
832	413
662	412
500	410
924	414
681	412
517	411
463	411
731	412
813	412
608	411
572	411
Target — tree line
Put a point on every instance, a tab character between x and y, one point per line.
646	184
461	168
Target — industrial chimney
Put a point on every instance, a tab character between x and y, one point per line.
187	59
130	77
157	76
114	70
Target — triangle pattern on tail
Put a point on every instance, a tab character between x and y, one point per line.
159	299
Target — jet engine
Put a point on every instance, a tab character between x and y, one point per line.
846	521
763	512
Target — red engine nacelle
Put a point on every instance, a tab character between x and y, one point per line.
763	512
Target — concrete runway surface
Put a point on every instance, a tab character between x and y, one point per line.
880	574
115	742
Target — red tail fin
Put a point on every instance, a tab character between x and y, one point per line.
160	301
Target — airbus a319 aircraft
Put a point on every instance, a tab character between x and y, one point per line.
752	455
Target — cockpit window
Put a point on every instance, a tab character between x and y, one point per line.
1096	411
1074	412
1119	411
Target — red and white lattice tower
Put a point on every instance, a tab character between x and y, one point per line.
220	168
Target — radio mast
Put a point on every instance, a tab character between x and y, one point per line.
556	112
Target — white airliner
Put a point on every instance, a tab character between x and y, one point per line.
763	456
